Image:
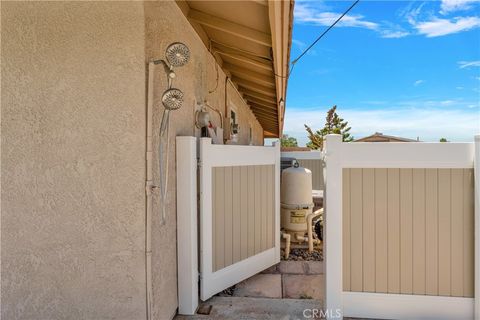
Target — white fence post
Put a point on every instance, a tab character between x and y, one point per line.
276	145
187	248
476	169
333	227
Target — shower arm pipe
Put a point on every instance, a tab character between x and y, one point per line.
217	111
168	70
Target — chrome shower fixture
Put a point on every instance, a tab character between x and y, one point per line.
177	54
172	99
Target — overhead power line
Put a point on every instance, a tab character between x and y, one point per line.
321	36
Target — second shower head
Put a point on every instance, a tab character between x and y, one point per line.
172	99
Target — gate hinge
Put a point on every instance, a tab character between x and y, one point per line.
199	162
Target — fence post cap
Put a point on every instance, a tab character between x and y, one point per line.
206	140
334	138
185	138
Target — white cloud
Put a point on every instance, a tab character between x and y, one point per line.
441	27
429	123
305	13
308	14
316	14
411	14
447	102
433	26
394	34
468	64
448	6
418	82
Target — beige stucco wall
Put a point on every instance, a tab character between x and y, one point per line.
73	107
73	155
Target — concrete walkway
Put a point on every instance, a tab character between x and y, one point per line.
243	308
288	279
290	290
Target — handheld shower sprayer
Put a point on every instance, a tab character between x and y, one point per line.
176	55
172	99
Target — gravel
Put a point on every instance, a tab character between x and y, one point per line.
303	255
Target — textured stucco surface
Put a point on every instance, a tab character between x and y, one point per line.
73	130
195	79
73	150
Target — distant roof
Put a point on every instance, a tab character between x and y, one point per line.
290	149
380	137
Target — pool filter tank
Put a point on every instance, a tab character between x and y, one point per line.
296	200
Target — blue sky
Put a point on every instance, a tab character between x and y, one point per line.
407	68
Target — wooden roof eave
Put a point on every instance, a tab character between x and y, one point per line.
260	78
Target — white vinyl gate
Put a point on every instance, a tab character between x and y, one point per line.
214	279
239	216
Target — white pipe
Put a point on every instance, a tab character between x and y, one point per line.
148	192
309	218
287	238
301	238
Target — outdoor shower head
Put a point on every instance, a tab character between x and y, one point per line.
177	54
172	99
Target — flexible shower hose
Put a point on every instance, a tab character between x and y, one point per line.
163	169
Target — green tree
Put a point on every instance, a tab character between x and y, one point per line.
287	141
333	124
443	140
